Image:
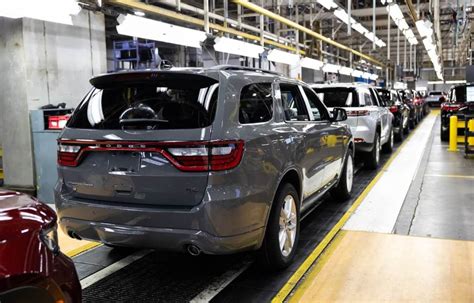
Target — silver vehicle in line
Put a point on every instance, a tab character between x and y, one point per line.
217	160
370	121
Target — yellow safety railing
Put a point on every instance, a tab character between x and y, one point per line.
454	139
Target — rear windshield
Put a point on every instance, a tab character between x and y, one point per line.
435	93
386	97
167	105
405	94
338	96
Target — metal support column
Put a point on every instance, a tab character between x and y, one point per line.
373	23
388	47
206	16
349	13
405	54
262	27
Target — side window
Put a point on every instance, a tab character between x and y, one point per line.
367	98
293	103
256	103
375	99
317	108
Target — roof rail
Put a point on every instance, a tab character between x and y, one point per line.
244	68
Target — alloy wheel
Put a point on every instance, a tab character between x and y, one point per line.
349	174
287	234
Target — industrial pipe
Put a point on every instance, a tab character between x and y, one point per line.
301	28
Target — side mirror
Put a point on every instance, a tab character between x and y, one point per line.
339	114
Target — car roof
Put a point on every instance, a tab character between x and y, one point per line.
343	84
212	72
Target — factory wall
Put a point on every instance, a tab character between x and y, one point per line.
46	63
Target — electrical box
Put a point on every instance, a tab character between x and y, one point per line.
46	126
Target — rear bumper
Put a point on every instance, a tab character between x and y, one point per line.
230	223
161	238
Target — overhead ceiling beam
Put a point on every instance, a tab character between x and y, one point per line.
155	10
271	15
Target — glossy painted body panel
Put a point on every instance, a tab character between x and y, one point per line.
231	212
24	259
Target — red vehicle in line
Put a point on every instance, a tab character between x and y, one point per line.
32	268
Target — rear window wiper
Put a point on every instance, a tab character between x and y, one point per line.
141	121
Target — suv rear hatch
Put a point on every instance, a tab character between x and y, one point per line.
345	97
143	138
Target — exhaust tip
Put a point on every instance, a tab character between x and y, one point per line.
193	250
73	235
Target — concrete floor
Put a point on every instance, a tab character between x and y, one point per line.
373	266
437	201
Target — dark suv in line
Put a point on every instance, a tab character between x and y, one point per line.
456	101
216	160
400	111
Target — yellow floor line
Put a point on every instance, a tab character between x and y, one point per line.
304	267
76	251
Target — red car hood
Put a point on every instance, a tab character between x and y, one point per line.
21	220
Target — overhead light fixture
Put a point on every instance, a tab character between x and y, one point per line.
455	81
279	56
58	11
237	47
359	28
357	73
373	77
134	26
380	43
397	16
346	70
311	63
331	68
343	16
139	13
425	28
328	4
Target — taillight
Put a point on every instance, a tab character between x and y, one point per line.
393	108
450	107
356	113
68	154
185	156
213	156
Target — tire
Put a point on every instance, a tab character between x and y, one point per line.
406	130
373	157
274	257
343	190
400	135
444	134
388	146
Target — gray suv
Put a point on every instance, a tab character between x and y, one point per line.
216	160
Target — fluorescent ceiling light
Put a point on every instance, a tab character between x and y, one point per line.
455	81
328	4
343	16
134	26
237	47
373	77
279	56
380	43
331	68
357	73
346	70
58	11
311	63
395	12
370	36
424	28
359	28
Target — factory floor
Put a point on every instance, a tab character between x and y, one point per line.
411	239
407	235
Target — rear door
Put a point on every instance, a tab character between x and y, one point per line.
331	135
310	150
141	141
